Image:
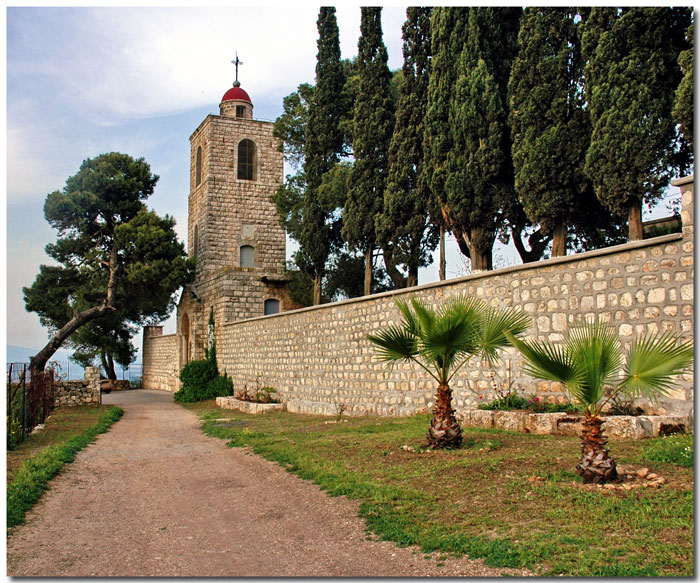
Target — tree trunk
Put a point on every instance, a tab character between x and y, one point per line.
398	280
482	257
318	280
443	265
444	429
412	279
108	365
368	271
537	241
596	464
559	239
37	363
635	221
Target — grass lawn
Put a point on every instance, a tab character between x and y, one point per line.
42	455
482	499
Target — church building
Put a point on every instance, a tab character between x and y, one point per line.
233	229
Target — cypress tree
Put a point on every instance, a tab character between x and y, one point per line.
373	127
550	125
632	73
479	178
404	228
323	147
683	109
447	26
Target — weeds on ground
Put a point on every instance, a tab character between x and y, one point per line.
479	500
672	449
32	476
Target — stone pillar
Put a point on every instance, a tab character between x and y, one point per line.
687	204
92	376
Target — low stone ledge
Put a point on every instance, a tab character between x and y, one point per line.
108	385
618	426
248	406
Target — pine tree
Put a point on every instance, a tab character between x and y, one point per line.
632	73
478	177
550	125
323	147
404	228
373	127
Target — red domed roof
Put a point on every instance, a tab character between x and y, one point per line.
236	94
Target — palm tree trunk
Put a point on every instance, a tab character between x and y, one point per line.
444	429
596	464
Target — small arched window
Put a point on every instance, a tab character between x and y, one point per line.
246	160
198	167
272	307
247	256
196	241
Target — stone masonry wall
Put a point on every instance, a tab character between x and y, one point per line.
160	360
318	358
83	392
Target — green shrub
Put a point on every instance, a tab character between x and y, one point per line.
195	377
221	386
672	449
512	401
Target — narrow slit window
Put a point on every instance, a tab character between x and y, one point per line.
196	240
246	160
198	167
247	256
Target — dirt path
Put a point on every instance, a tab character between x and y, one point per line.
156	497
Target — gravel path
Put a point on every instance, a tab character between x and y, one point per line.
156	497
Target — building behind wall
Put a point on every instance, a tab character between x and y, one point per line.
233	232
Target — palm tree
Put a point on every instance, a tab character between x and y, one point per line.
593	367
442	341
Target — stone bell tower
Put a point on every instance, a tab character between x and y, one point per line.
233	227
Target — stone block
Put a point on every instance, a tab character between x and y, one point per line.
625	426
510	420
543	423
569	425
480	418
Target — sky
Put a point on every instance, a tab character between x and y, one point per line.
88	80
83	81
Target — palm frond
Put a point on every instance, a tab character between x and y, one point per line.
494	325
548	361
652	364
424	315
410	321
595	350
449	338
395	343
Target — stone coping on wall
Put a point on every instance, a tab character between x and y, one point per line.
631	246
617	426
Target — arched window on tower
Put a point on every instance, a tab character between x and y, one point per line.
246	160
247	256
198	167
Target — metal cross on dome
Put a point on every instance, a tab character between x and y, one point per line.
237	62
